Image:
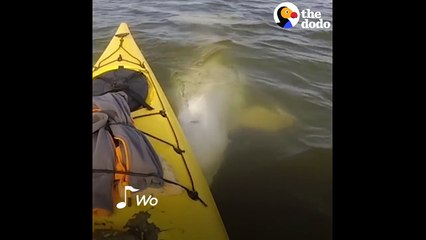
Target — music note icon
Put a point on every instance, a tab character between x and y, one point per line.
121	205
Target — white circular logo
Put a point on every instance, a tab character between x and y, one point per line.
286	15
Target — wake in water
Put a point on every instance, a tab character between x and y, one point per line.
214	101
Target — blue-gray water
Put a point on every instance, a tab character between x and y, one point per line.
269	185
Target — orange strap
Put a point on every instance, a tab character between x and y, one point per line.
122	161
96	108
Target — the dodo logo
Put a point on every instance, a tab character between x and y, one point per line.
286	15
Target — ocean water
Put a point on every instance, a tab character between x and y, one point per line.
268	184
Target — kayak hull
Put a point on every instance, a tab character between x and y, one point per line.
175	215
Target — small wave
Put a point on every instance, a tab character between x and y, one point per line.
317	141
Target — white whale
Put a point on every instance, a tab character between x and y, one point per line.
213	102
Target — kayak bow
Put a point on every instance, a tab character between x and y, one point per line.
182	212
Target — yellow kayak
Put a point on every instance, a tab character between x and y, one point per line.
182	211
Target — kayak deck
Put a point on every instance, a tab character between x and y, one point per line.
176	216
